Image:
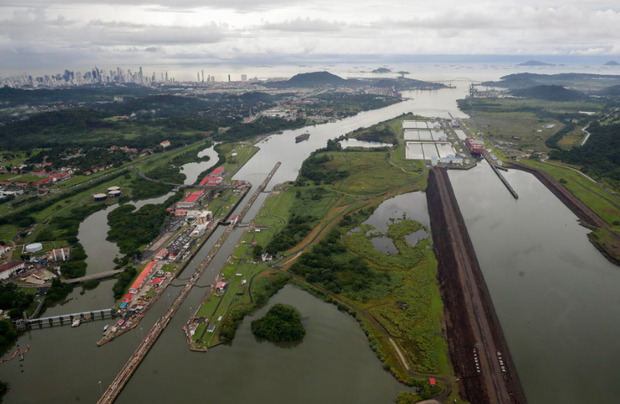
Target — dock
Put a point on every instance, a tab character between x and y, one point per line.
501	177
127	371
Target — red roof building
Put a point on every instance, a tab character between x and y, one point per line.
137	284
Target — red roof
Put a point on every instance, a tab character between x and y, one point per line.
157	281
194	196
432	381
140	279
127	298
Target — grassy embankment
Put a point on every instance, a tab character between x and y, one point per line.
602	202
395	298
523	122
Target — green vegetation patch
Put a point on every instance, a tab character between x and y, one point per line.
281	325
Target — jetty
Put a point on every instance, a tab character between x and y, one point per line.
501	176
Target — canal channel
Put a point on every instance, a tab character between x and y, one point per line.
555	295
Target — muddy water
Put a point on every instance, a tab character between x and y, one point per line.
65	365
556	296
333	364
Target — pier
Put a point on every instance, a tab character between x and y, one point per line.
64	319
501	177
127	371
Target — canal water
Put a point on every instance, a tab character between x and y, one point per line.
92	234
65	365
556	296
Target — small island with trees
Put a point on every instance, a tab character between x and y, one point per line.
281	325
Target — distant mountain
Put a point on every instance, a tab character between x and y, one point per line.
550	93
612	63
581	81
534	63
326	79
382	70
311	80
613	91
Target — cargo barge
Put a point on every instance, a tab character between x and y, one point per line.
302	137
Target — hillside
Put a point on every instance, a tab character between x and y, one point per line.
311	80
581	81
549	93
326	79
612	91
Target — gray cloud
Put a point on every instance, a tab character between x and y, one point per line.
235	30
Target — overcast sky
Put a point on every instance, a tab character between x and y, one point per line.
35	33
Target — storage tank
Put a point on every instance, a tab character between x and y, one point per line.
114	193
100	197
34	247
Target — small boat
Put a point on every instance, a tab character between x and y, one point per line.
105	328
75	323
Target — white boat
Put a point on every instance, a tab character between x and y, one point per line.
105	328
76	323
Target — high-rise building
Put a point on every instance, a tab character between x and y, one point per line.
244	77
229	78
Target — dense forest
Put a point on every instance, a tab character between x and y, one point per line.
281	324
549	93
131	229
330	265
600	156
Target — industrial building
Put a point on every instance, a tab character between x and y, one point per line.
190	200
10	268
427	141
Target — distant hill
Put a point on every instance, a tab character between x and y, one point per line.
534	63
311	80
612	63
613	91
581	81
550	93
382	70
326	79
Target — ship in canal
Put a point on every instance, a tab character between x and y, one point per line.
302	137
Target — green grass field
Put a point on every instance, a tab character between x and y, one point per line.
523	121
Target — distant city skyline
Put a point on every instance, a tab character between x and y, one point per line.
72	33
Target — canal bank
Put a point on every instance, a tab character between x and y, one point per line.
554	293
478	349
